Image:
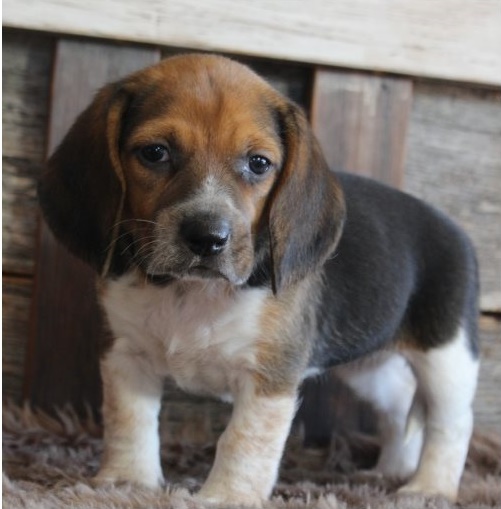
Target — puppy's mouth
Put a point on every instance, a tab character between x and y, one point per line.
160	279
186	257
198	272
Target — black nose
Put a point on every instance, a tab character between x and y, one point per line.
205	235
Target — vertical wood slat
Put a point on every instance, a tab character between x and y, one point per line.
361	123
62	361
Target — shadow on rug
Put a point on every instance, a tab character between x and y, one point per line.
47	464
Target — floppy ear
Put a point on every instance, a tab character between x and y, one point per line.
81	192
307	209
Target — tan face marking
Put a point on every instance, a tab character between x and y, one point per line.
210	127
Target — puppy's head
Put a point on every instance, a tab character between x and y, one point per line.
194	168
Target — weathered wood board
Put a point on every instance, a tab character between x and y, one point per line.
16	302
487	404
361	121
454	162
27	62
450	39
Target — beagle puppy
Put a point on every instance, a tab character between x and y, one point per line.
232	260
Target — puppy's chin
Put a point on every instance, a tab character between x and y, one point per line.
197	273
180	265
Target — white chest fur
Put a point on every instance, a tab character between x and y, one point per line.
201	334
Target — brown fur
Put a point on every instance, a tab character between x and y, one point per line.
282	362
240	126
209	133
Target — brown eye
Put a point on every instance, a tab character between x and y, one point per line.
259	164
153	154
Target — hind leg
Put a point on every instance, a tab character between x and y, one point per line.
447	379
386	381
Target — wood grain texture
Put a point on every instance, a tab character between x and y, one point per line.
454	162
361	122
27	61
451	39
66	323
16	302
487	404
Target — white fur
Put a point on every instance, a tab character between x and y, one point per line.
204	335
386	381
204	339
132	395
447	381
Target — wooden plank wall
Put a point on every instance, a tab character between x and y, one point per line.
452	159
451	39
361	121
27	63
65	323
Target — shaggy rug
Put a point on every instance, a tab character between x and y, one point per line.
47	463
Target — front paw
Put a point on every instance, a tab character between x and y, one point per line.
430	489
223	496
109	475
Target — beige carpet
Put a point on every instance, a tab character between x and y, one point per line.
47	464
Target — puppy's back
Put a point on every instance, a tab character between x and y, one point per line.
402	271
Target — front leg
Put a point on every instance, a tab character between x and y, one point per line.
131	404
249	451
